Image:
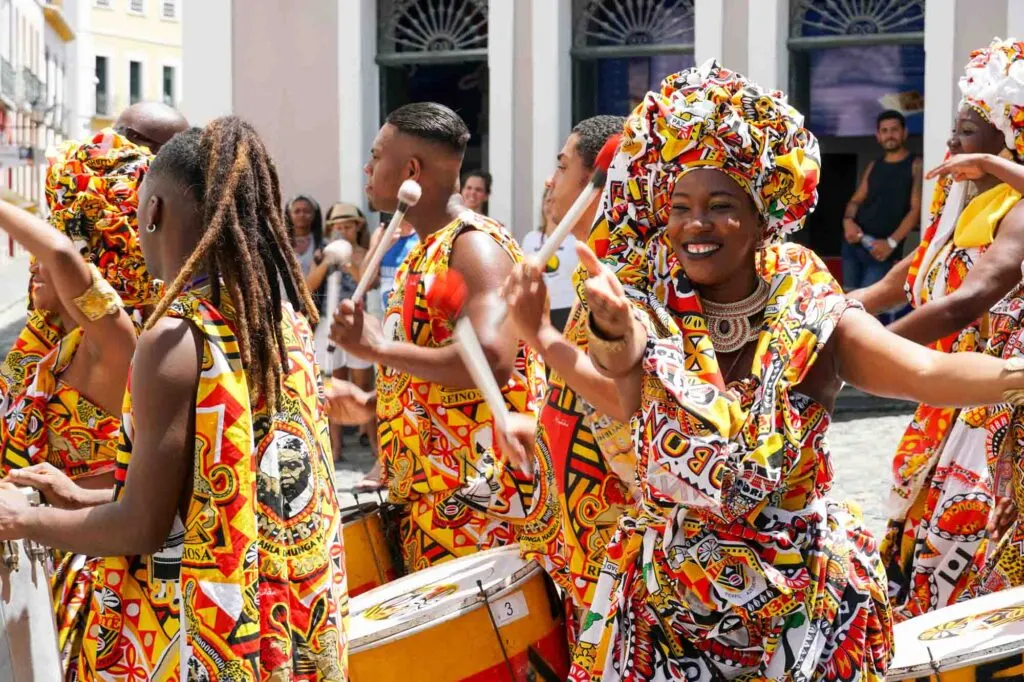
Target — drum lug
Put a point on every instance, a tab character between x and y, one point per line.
9	555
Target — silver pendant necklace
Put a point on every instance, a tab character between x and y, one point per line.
729	323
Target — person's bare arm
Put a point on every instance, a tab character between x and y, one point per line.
110	340
317	274
887	292
913	217
851	230
881	363
579	373
164	381
484	266
992	277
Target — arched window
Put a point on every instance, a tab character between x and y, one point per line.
850	60
436	50
623	48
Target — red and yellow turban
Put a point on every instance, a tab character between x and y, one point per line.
92	190
706	117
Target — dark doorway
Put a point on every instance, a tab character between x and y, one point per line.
461	86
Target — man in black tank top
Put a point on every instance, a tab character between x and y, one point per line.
884	209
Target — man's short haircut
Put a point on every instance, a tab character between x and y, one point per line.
432	122
593	132
891	115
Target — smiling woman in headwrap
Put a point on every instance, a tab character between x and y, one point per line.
61	418
729	348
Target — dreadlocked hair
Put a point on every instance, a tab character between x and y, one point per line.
244	246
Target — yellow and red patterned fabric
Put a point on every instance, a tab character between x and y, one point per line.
437	443
252	580
734	565
942	494
92	193
1003	566
584	472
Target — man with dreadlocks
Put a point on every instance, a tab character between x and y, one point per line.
225	482
436	433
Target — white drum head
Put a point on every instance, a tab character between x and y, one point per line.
434	595
965	634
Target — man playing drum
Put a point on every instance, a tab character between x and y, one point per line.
437	445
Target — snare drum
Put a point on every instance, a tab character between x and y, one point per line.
369	562
489	616
974	641
28	636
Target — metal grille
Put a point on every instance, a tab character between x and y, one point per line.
632	28
169	10
137	6
103	3
816	23
421	31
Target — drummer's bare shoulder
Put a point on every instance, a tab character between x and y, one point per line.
485	266
165	378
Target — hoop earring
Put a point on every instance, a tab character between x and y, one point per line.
151	228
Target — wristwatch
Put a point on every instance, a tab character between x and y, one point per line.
892	243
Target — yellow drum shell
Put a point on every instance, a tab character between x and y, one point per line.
462	645
368	563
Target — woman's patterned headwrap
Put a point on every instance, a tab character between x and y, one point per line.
92	190
710	117
993	85
704	117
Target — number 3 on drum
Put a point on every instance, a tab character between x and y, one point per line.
511	608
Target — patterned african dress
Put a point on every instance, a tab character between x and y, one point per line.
250	585
942	493
51	421
39	336
437	443
736	566
1003	567
584	472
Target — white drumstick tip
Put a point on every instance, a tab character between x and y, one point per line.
409	193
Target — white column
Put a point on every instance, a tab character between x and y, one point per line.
941	72
1014	20
708	28
552	91
767	36
510	111
207	47
358	91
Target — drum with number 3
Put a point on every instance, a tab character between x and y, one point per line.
28	636
978	640
490	616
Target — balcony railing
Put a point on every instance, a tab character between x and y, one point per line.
8	80
33	88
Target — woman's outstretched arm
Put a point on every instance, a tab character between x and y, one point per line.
882	363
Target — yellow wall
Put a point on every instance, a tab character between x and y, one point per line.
122	37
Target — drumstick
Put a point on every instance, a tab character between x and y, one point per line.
448	294
339	252
593	189
408	195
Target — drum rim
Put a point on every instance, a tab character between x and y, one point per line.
449	612
962	661
367	507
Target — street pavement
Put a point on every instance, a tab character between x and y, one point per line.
863	435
